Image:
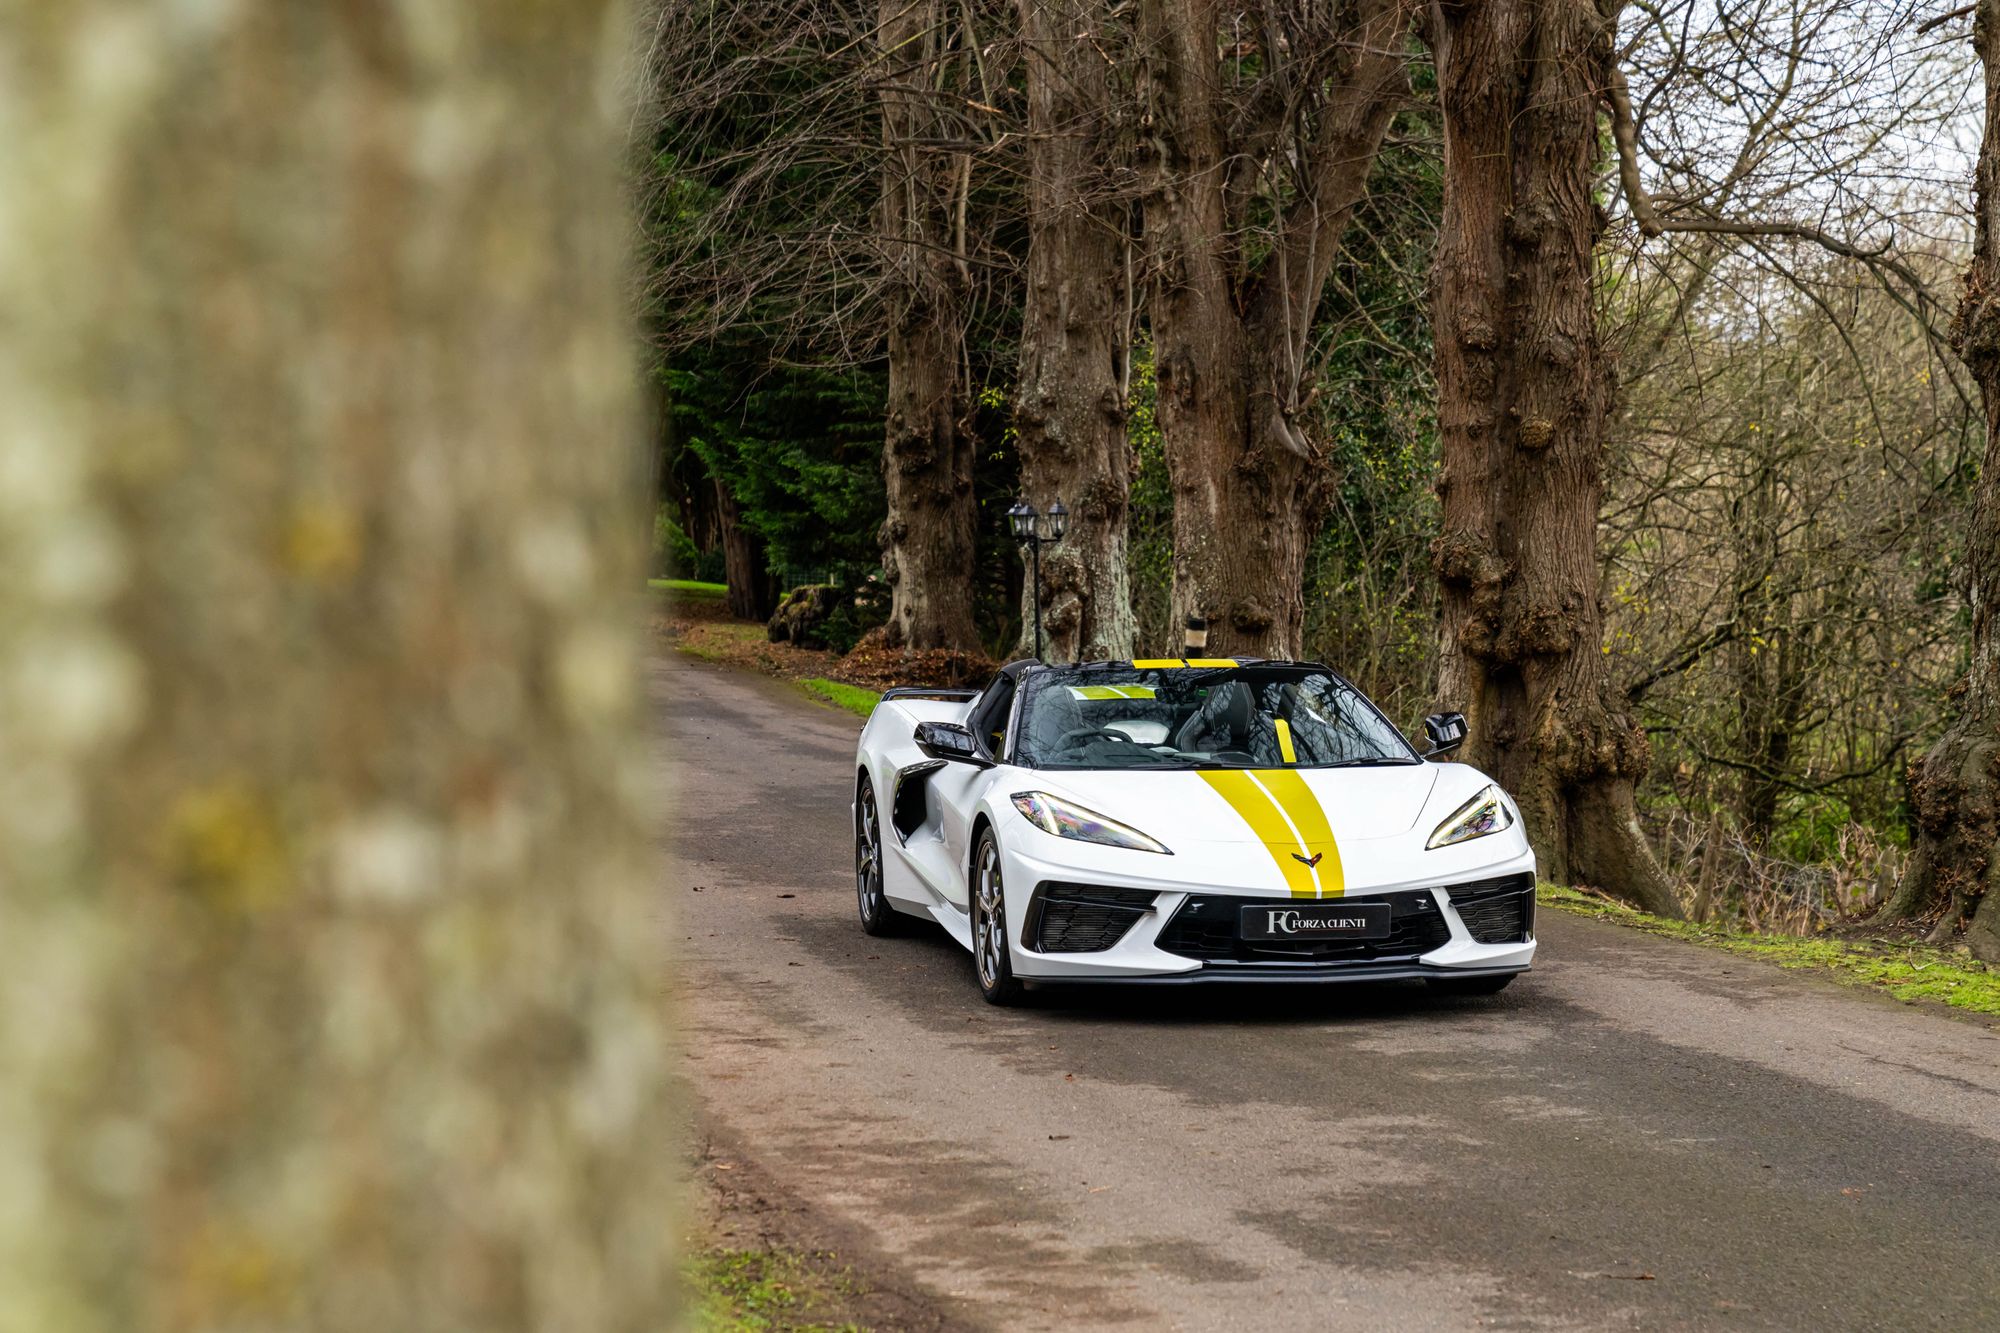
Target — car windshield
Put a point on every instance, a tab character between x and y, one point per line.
1256	715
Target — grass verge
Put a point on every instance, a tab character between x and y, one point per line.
1911	972
689	587
853	698
752	1291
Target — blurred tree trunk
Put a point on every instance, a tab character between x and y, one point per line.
1069	407
1522	396
1954	875
1231	313
333	998
928	555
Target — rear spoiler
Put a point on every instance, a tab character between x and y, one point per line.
928	692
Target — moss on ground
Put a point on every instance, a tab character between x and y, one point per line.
853	698
1907	971
755	1291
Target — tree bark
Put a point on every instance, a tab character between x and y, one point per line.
1523	390
1230	313
752	589
927	457
333	990
1069	406
1954	877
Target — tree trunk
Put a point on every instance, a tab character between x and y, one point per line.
927	457
686	485
1231	314
658	460
333	996
1954	874
1069	406
753	589
1523	391
1249	491
1769	688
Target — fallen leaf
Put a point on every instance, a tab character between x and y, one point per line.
1058	1136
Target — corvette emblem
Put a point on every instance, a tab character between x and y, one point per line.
1312	860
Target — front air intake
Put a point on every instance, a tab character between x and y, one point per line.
1496	911
1083	918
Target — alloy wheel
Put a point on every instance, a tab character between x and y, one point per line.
868	860
990	921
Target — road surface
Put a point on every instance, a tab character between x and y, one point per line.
1637	1134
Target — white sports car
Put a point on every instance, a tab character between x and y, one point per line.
1187	820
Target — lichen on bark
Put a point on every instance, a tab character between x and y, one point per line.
332	998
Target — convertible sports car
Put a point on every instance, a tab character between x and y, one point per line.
1187	820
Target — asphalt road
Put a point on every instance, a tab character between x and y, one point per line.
1637	1134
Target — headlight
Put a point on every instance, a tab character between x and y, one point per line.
1052	814
1483	814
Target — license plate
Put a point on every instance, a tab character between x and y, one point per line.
1316	921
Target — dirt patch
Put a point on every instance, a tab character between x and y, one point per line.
743	1210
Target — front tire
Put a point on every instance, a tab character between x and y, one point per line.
877	917
992	960
1469	986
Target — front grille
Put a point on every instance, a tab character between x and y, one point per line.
1496	911
1083	918
1206	928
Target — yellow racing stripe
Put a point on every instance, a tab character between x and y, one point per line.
1211	661
1155	663
1254	805
1285	750
1291	792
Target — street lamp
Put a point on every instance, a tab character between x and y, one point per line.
1027	528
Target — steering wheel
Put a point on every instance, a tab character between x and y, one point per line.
1080	734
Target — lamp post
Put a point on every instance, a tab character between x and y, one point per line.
1027	528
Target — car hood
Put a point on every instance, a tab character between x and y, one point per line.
1258	806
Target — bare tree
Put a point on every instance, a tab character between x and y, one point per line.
1262	127
1069	405
1955	788
1790	435
1778	549
333	996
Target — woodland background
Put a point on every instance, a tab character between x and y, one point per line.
1184	266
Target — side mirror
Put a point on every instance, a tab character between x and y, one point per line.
1446	732
949	740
